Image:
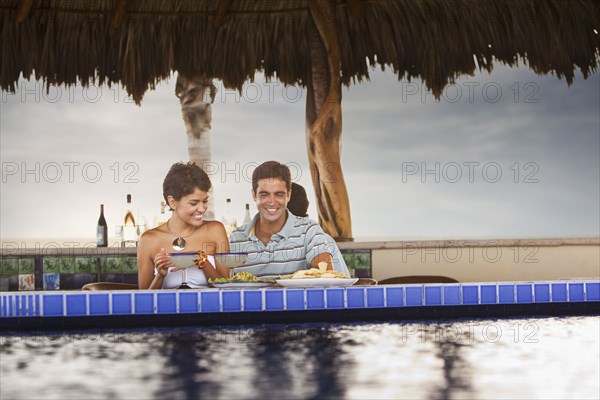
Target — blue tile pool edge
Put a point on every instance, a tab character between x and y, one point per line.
168	302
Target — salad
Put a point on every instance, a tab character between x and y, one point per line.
241	277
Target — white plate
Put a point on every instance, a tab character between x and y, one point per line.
242	285
317	282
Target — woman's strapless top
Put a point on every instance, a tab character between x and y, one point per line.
195	277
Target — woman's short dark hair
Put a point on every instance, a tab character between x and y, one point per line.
272	170
183	178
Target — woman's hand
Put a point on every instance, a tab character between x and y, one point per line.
162	263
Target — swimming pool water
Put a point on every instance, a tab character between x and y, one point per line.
506	358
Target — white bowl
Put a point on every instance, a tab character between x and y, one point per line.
190	258
232	260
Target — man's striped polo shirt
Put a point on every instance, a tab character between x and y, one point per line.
288	251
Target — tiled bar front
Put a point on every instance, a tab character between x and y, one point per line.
64	269
176	302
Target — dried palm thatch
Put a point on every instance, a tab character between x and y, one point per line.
139	43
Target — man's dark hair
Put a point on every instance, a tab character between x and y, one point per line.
183	178
272	170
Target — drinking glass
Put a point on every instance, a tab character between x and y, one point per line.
184	284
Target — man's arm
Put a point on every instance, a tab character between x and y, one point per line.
316	246
323	257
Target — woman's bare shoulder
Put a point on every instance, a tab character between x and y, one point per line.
153	234
214	226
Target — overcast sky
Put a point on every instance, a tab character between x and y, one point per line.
502	155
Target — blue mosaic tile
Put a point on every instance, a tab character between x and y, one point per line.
541	292
17	302
76	304
143	303
26	305
433	295
414	296
37	305
576	292
506	294
335	298
273	300
488	294
470	295
31	306
252	300
394	296
593	291
294	299
209	302
99	304
188	302
375	297
232	300
524	294
9	300
559	292
7	305
315	299
13	305
16	306
355	297
53	305
121	303
451	295
22	306
166	303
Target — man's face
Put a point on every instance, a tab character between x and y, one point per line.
271	198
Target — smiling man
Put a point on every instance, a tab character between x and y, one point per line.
278	242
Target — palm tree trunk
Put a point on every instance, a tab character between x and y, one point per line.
196	97
324	122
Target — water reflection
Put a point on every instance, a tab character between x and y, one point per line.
459	359
300	359
273	350
325	353
187	357
456	370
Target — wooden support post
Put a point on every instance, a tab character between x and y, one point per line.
324	121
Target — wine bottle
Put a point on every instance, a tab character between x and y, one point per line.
102	229
129	228
228	220
162	217
247	218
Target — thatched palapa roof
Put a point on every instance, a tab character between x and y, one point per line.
140	42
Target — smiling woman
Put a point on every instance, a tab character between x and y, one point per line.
185	189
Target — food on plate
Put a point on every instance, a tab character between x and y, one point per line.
241	277
314	273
